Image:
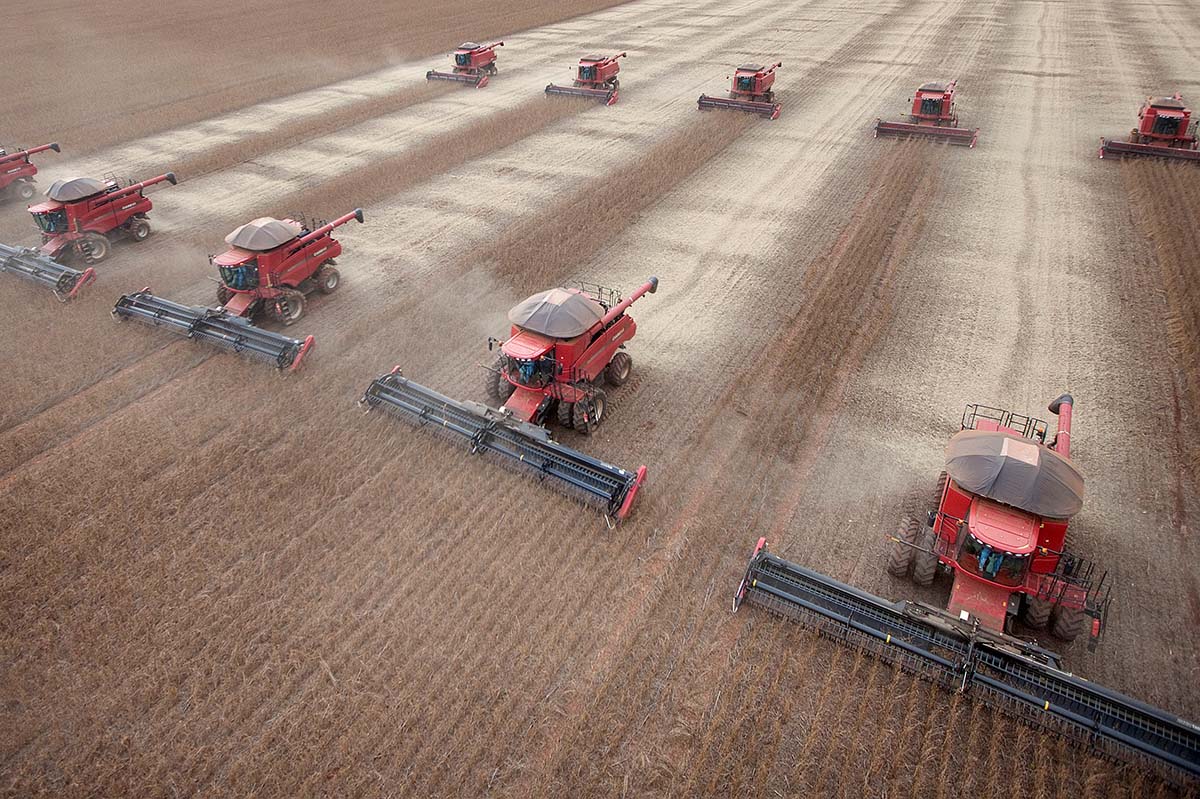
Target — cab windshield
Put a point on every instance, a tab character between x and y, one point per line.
52	221
242	277
745	83
992	564
931	106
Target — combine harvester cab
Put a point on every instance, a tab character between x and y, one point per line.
473	63
1165	130
999	526
17	171
595	78
563	343
270	266
932	116
750	91
81	219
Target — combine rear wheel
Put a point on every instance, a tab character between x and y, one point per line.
289	307
139	230
589	413
24	190
925	561
618	369
900	556
497	386
1036	613
328	279
1067	623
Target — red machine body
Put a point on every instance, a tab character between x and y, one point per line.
1165	130
17	171
750	90
537	372
595	77
1007	560
932	115
272	264
473	63
84	215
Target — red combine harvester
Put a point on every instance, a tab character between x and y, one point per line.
750	91
82	218
269	267
563	343
999	526
932	116
473	63
17	171
1165	130
596	78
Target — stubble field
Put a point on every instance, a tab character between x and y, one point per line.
220	581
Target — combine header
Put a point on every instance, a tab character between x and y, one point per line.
30	264
269	267
82	218
932	117
596	78
473	63
17	171
962	656
563	342
750	91
1165	130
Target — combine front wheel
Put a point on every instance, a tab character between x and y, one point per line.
498	387
566	412
224	294
1066	623
589	413
925	560
94	247
24	190
618	369
900	557
288	307
1037	612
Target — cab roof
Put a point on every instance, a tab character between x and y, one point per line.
559	313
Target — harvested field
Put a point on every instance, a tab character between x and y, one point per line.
217	580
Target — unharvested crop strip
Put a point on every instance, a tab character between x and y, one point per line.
1165	199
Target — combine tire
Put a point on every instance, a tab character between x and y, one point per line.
498	388
289	307
139	230
589	413
24	190
900	556
94	247
566	413
1067	623
328	279
1036	613
224	294
943	478
924	562
618	369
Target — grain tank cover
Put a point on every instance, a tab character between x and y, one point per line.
262	234
1016	472
558	313
68	191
